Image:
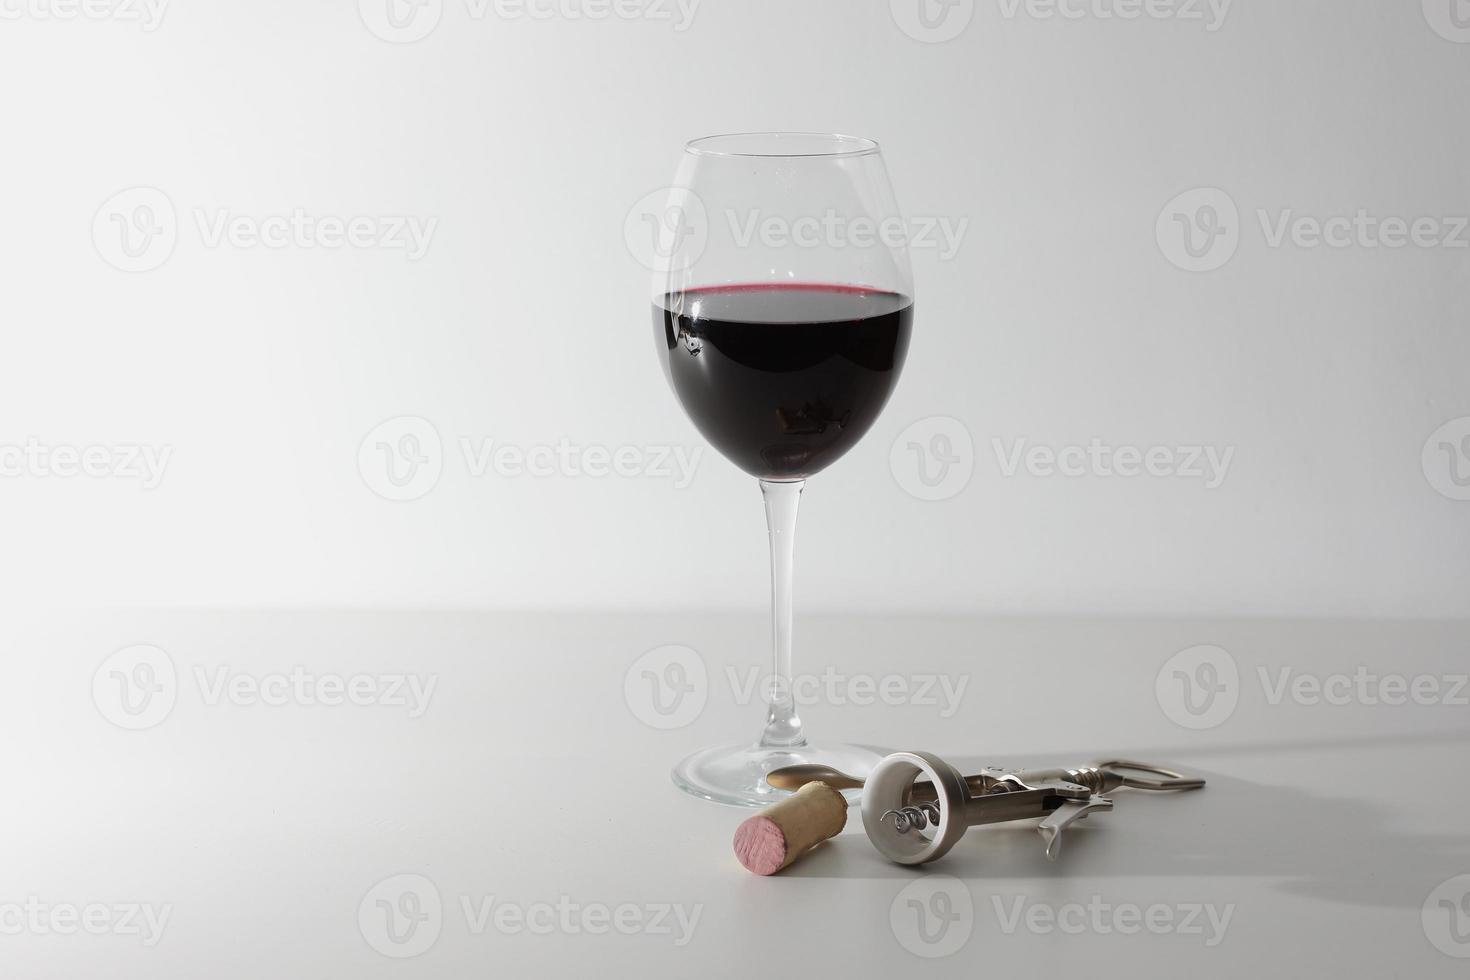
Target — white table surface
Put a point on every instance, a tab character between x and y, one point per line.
1326	833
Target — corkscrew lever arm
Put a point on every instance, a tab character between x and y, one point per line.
1063	817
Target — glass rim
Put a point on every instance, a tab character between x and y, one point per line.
837	145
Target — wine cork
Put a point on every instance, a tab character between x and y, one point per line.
783	832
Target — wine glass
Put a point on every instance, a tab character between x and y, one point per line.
782	307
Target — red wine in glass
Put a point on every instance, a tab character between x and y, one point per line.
783	378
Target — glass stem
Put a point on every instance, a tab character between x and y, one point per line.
783	726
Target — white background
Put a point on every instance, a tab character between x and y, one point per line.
1061	318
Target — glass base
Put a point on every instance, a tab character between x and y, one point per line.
736	774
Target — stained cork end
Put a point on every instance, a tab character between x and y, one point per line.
776	837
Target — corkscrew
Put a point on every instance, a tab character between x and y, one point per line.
916	806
